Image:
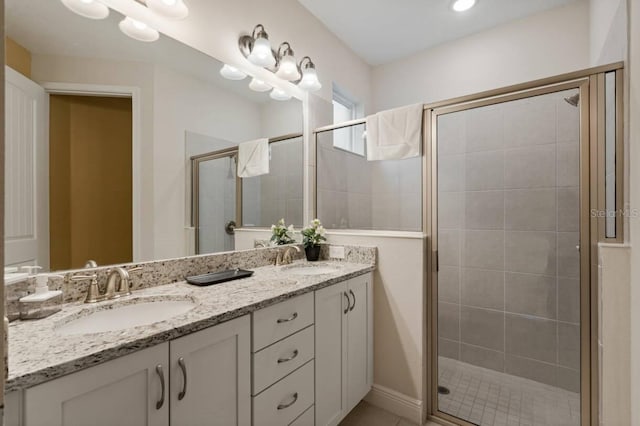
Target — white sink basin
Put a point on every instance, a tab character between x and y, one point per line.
122	317
311	269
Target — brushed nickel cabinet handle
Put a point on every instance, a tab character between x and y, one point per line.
354	301
291	318
283	406
160	403
348	303
292	357
183	367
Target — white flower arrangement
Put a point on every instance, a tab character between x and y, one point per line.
282	234
313	234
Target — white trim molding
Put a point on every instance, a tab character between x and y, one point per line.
396	403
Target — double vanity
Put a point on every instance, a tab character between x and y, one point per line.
290	345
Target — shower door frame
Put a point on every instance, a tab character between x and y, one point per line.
589	83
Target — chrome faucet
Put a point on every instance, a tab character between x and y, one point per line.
285	256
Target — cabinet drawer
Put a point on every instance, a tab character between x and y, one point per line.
276	361
283	402
281	320
306	419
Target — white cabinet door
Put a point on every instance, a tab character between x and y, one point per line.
211	376
331	354
359	340
125	391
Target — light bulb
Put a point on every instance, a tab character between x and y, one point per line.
279	95
462	5
288	68
258	85
172	9
88	8
232	73
261	53
138	30
310	80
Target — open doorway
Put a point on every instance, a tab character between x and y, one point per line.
90	163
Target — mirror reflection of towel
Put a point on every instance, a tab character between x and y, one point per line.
395	134
253	158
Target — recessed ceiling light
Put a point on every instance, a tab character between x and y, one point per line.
462	5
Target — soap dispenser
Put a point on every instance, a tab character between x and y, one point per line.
43	302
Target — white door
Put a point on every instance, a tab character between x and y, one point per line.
26	172
358	340
331	365
211	376
126	391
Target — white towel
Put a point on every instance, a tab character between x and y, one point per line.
253	158
395	134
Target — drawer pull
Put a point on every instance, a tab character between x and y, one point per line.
291	318
283	406
348	303
160	403
292	357
354	300
183	367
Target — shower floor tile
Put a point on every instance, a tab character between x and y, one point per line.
487	398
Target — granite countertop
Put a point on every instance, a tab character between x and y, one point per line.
38	352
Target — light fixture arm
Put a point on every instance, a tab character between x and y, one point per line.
309	64
287	51
260	33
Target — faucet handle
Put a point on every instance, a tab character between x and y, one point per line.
93	293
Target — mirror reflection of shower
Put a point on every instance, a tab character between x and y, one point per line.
573	100
231	174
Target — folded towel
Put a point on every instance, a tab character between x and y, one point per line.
253	158
395	134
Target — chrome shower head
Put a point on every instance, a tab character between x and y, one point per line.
573	100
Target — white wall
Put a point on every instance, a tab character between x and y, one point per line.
608	31
183	103
543	45
634	179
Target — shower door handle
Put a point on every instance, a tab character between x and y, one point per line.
230	227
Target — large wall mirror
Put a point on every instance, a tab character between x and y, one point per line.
101	135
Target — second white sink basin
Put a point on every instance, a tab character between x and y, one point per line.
135	314
306	269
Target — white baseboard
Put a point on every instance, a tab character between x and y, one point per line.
396	403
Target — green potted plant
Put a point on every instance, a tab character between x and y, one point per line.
282	234
312	236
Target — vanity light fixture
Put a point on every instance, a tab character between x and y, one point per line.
287	65
309	79
462	5
91	9
259	85
279	95
172	9
232	73
257	48
138	30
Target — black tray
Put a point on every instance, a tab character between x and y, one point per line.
219	277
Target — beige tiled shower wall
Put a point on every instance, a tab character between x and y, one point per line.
508	200
354	193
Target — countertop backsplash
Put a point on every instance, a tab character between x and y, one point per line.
162	272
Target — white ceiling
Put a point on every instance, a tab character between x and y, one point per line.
49	28
381	31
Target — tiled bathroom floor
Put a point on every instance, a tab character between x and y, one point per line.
488	398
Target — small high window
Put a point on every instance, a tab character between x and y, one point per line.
346	109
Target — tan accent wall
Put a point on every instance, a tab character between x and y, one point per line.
90	180
17	57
